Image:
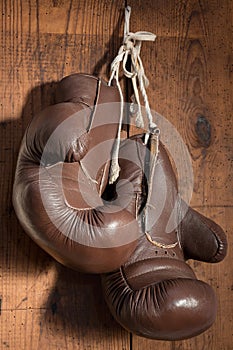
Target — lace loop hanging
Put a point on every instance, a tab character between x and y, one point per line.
131	47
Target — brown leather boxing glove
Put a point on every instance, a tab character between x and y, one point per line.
156	294
62	172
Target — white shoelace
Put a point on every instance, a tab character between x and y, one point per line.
131	47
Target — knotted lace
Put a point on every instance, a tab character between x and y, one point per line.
131	47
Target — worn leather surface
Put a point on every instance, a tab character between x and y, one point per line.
62	172
156	294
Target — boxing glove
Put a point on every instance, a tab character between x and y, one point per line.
156	294
62	173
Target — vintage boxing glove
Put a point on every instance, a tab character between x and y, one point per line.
61	175
156	294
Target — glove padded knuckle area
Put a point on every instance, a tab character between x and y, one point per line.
62	172
173	309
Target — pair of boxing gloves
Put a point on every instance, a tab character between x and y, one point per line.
64	202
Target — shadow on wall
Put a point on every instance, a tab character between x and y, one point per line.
17	249
112	47
75	302
76	307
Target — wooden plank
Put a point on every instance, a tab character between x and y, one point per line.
43	305
61	309
190	72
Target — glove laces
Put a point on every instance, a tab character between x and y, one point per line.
131	47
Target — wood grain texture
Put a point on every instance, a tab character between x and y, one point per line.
190	72
43	305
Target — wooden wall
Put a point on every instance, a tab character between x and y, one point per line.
44	305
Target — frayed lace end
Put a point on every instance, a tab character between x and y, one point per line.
114	171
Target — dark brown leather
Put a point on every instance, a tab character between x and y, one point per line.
62	172
156	294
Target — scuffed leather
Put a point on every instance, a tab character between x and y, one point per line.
156	294
59	181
